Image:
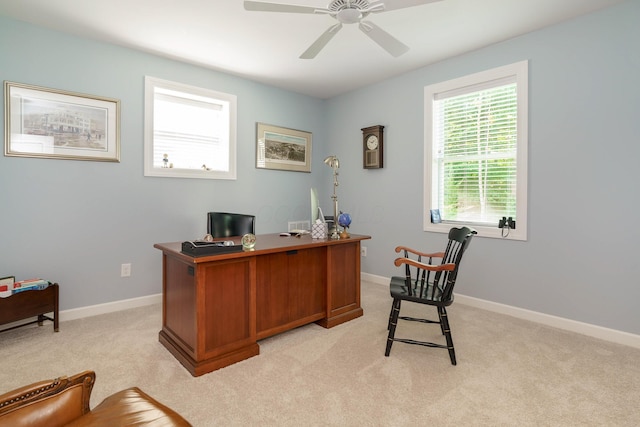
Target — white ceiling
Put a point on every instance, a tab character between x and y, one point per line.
265	47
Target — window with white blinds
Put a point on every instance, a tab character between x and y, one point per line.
475	151
189	131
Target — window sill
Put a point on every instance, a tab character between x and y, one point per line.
490	232
188	173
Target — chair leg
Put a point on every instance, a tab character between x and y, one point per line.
393	322
447	333
440	319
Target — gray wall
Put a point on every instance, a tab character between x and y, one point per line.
75	222
581	258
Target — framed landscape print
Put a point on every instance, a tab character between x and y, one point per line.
282	148
55	124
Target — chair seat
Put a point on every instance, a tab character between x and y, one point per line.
398	289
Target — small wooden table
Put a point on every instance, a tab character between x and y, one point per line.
30	304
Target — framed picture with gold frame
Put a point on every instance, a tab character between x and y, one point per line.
282	148
56	124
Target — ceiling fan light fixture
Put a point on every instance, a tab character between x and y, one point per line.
349	16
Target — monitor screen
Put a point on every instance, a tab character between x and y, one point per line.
225	224
315	206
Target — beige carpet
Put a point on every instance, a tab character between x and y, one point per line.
510	372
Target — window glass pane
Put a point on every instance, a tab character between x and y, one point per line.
475	151
190	132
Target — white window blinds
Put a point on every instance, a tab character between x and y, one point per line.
188	130
475	152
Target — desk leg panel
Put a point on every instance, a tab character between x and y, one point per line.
226	311
343	284
179	304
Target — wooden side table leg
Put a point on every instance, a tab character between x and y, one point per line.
55	309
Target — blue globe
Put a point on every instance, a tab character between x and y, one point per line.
344	220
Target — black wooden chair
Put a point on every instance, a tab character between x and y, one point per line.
426	283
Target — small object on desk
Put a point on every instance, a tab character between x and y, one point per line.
285	234
207	238
319	230
344	220
197	248
248	241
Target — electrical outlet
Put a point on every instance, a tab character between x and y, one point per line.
125	270
363	250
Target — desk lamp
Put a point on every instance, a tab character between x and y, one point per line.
334	163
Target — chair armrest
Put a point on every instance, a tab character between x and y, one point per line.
47	403
423	254
430	267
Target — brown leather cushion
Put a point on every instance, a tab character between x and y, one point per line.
50	403
131	407
51	411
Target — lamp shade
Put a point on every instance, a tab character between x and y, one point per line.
332	161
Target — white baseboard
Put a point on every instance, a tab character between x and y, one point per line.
109	307
611	335
379	280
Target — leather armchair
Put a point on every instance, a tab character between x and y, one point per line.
64	401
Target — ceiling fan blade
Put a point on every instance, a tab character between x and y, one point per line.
398	4
321	42
277	7
389	43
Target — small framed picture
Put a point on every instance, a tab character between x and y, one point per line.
435	216
282	148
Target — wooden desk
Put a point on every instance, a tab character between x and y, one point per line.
215	308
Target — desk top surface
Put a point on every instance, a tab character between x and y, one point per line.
265	244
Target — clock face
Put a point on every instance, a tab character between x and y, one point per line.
372	142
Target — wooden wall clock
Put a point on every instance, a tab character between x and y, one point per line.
372	147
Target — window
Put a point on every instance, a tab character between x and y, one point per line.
190	132
475	168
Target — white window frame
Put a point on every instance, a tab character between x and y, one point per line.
149	170
518	70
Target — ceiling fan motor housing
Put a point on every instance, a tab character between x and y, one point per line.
349	11
337	5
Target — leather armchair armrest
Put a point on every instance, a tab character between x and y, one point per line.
48	403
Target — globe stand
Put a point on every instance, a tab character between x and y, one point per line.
344	220
334	163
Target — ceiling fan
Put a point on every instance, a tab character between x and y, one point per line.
346	12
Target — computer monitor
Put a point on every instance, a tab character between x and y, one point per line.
315	206
225	224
